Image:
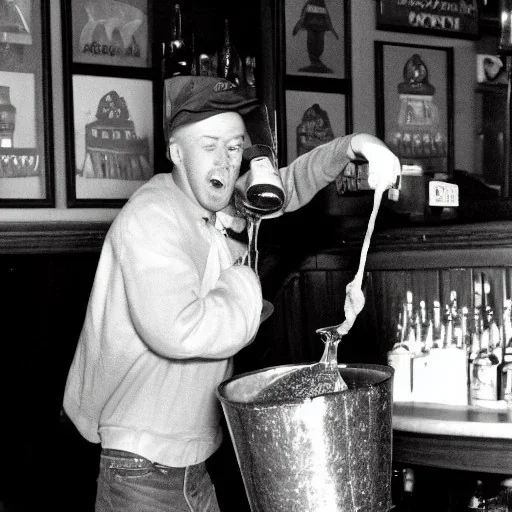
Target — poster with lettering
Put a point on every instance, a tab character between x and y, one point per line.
435	17
111	32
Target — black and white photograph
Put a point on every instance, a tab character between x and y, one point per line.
256	255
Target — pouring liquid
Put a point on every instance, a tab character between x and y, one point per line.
253	215
324	377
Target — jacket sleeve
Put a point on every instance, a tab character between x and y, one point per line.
311	172
170	311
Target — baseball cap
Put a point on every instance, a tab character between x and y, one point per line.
189	99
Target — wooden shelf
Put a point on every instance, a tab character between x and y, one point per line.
459	438
51	237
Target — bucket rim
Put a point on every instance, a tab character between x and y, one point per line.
388	370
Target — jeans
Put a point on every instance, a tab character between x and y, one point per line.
130	483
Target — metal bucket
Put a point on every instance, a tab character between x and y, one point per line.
327	454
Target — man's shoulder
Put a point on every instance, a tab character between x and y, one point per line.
158	194
153	204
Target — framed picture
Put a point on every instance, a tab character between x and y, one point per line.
110	132
316	37
414	103
455	18
26	141
108	32
313	118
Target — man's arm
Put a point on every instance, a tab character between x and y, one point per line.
311	172
171	312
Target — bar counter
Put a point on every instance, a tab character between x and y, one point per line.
453	437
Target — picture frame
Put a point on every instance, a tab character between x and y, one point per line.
455	18
110	131
414	103
316	38
313	118
26	136
107	32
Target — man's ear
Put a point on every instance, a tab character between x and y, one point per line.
174	152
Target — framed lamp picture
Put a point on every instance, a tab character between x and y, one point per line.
312	119
26	140
414	103
110	148
109	32
316	36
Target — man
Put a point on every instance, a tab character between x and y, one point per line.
169	307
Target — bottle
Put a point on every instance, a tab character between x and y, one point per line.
410	331
194	60
426	327
397	488
229	61
177	59
466	334
507	324
250	76
407	502
264	191
477	500
493	338
458	335
437	332
505	496
355	177
484	377
447	327
476	335
505	378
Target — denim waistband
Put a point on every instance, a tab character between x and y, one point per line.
130	459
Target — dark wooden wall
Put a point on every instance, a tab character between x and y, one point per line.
42	307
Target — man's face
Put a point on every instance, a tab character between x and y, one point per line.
207	157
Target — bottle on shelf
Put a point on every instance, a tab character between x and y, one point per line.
447	327
194	61
477	499
229	61
466	333
476	335
484	375
402	489
507	324
249	72
397	487
492	334
407	502
505	496
438	331
505	377
458	331
177	57
426	327
410	331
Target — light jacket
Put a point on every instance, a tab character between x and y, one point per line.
167	311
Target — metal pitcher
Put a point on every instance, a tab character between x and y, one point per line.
331	453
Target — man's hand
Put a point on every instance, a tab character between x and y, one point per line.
383	164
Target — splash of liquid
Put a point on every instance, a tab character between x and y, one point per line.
354	298
324	377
